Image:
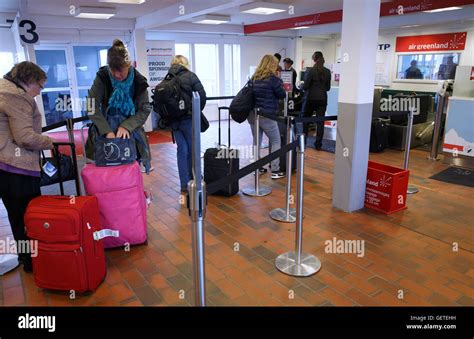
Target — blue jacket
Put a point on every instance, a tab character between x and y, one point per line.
267	92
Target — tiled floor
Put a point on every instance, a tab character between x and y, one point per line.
409	257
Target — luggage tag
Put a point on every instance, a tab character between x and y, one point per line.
49	169
98	235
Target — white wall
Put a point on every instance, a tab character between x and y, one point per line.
252	49
7	51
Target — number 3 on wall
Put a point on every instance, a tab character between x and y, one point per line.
32	37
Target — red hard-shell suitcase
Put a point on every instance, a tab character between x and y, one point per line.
68	257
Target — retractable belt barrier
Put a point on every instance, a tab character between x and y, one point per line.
217	185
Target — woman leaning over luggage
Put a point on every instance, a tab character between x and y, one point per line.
182	129
120	103
267	89
20	143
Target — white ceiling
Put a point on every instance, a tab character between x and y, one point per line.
164	15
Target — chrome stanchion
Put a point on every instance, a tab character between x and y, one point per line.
411	189
297	263
286	214
197	207
437	128
257	190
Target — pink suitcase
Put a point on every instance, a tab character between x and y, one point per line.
122	201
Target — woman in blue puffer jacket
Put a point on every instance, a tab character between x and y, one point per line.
268	89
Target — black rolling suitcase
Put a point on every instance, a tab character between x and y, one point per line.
221	162
378	135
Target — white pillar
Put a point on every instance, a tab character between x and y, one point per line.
360	26
139	45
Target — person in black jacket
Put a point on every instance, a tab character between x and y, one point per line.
182	129
267	89
317	83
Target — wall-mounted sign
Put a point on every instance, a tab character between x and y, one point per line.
287	78
28	34
432	42
159	61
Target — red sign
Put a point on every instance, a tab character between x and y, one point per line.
300	21
400	7
432	42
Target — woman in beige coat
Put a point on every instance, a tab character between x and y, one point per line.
20	143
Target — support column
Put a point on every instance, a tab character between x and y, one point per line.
360	28
141	59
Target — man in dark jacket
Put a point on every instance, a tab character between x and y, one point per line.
316	84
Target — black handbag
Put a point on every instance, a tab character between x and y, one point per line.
61	164
243	103
204	123
114	151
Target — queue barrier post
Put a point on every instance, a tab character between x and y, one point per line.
257	190
411	189
286	214
197	207
296	263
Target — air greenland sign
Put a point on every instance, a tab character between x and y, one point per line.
432	43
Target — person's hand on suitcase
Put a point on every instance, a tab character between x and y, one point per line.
123	133
110	135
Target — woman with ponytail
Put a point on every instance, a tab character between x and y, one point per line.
120	103
317	83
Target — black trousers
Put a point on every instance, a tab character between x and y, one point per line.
16	191
318	106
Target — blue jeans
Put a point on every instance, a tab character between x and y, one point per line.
182	131
270	128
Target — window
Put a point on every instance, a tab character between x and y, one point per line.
6	62
184	50
57	91
231	69
207	67
435	66
87	60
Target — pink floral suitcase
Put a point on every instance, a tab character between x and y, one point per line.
122	202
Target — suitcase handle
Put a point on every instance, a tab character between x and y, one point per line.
219	127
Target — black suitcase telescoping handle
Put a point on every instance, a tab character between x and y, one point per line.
74	164
228	127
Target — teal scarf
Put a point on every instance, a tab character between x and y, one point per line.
121	96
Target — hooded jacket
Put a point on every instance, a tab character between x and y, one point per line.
20	127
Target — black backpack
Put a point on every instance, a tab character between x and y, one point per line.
169	100
243	103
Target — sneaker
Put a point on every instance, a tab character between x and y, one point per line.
278	175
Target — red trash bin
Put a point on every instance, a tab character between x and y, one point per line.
386	188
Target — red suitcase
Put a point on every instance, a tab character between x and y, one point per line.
68	257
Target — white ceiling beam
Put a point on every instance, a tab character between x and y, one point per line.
62	22
191	9
189	27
